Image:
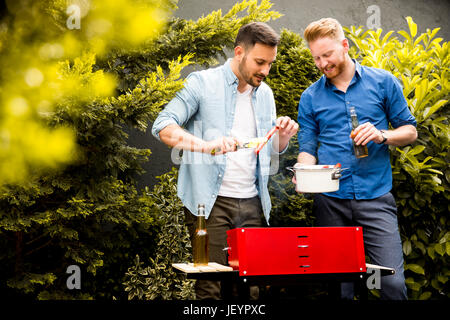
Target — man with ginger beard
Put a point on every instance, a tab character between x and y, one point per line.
221	108
364	196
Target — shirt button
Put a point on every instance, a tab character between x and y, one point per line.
220	176
213	196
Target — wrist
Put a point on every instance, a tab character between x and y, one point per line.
206	147
383	137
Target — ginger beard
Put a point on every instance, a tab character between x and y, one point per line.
332	70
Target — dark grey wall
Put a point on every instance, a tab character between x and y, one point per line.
297	15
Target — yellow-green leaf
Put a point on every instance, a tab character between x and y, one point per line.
412	26
440	248
407	248
434	108
415	268
425	296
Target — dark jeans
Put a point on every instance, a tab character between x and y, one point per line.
227	213
382	243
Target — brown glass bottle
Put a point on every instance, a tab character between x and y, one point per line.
360	150
200	243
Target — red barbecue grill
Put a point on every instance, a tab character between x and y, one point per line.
290	256
284	251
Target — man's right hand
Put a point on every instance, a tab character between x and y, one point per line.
175	136
221	146
304	158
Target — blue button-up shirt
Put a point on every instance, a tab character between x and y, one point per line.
205	107
325	127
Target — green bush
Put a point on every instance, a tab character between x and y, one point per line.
159	280
206	39
88	213
421	172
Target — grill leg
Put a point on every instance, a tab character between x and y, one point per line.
334	290
362	289
243	291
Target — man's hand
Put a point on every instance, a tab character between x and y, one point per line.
365	133
400	136
220	146
175	136
304	158
288	128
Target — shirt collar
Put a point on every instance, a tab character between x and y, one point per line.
229	74
357	68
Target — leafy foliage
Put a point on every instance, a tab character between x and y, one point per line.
207	38
421	172
41	69
88	213
159	280
92	207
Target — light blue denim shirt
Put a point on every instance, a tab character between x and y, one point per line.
205	107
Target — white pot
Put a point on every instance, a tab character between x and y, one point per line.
316	178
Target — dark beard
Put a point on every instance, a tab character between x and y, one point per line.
247	77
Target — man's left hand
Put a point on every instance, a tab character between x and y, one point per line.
365	133
288	127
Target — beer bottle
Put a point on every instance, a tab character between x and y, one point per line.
200	243
360	150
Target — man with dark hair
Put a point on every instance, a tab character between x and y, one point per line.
256	32
220	108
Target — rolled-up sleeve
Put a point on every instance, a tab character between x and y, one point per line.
308	132
397	108
182	107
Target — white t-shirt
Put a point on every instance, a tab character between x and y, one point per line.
239	180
